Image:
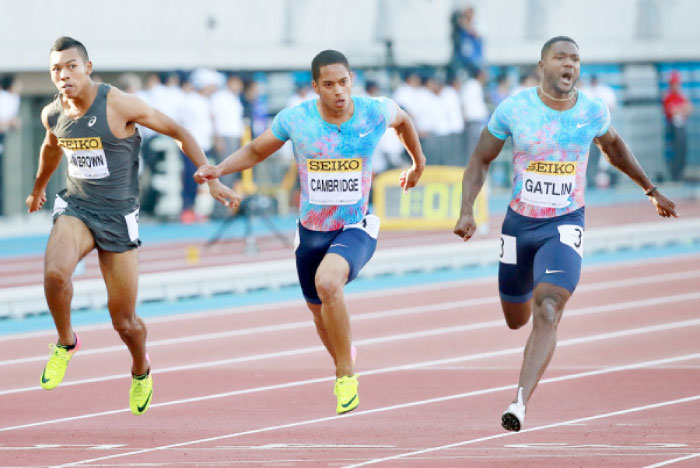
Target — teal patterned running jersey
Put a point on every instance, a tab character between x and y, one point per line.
334	162
550	150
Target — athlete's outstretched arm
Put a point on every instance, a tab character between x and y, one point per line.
487	149
620	156
49	159
244	158
132	109
408	135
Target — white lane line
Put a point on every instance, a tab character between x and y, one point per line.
420	403
491	299
411	366
402	336
510	434
361	295
675	460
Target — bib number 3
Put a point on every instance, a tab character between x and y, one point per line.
572	235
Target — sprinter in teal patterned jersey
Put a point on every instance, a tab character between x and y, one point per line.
552	127
334	138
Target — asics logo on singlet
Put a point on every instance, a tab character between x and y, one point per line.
549	272
579	125
362	135
92	121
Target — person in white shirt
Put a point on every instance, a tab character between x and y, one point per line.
197	118
227	112
406	95
389	151
9	118
452	106
599	173
474	109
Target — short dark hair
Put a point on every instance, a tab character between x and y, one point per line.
65	43
327	57
548	45
6	82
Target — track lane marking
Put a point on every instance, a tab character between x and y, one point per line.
425	402
392	338
411	366
485	300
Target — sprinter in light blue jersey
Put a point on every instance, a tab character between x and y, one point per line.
334	138
552	127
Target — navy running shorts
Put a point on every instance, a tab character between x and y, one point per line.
356	243
539	250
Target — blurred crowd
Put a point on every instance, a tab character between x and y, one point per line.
10	89
449	106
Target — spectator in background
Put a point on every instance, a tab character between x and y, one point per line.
677	108
474	109
161	91
500	91
527	80
389	151
467	42
10	90
227	111
197	118
599	172
452	107
302	93
254	107
406	95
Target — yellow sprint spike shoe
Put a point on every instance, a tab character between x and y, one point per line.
58	362
140	393
346	391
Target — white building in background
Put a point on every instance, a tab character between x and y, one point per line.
286	34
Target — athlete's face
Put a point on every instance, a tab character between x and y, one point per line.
561	67
69	71
333	87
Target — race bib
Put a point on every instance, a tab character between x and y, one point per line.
369	224
334	181
132	225
572	235
508	253
59	206
548	183
86	157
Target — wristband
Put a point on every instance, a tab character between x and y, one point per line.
650	191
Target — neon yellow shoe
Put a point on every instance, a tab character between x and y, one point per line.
58	362
346	391
140	393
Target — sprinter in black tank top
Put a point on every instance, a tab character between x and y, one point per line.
94	125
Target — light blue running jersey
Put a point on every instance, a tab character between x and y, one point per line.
550	150
334	162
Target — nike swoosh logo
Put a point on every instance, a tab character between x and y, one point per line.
345	405
337	245
362	135
579	125
141	408
44	379
548	271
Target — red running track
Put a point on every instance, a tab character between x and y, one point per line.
253	387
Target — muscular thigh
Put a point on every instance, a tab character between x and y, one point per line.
69	241
121	275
